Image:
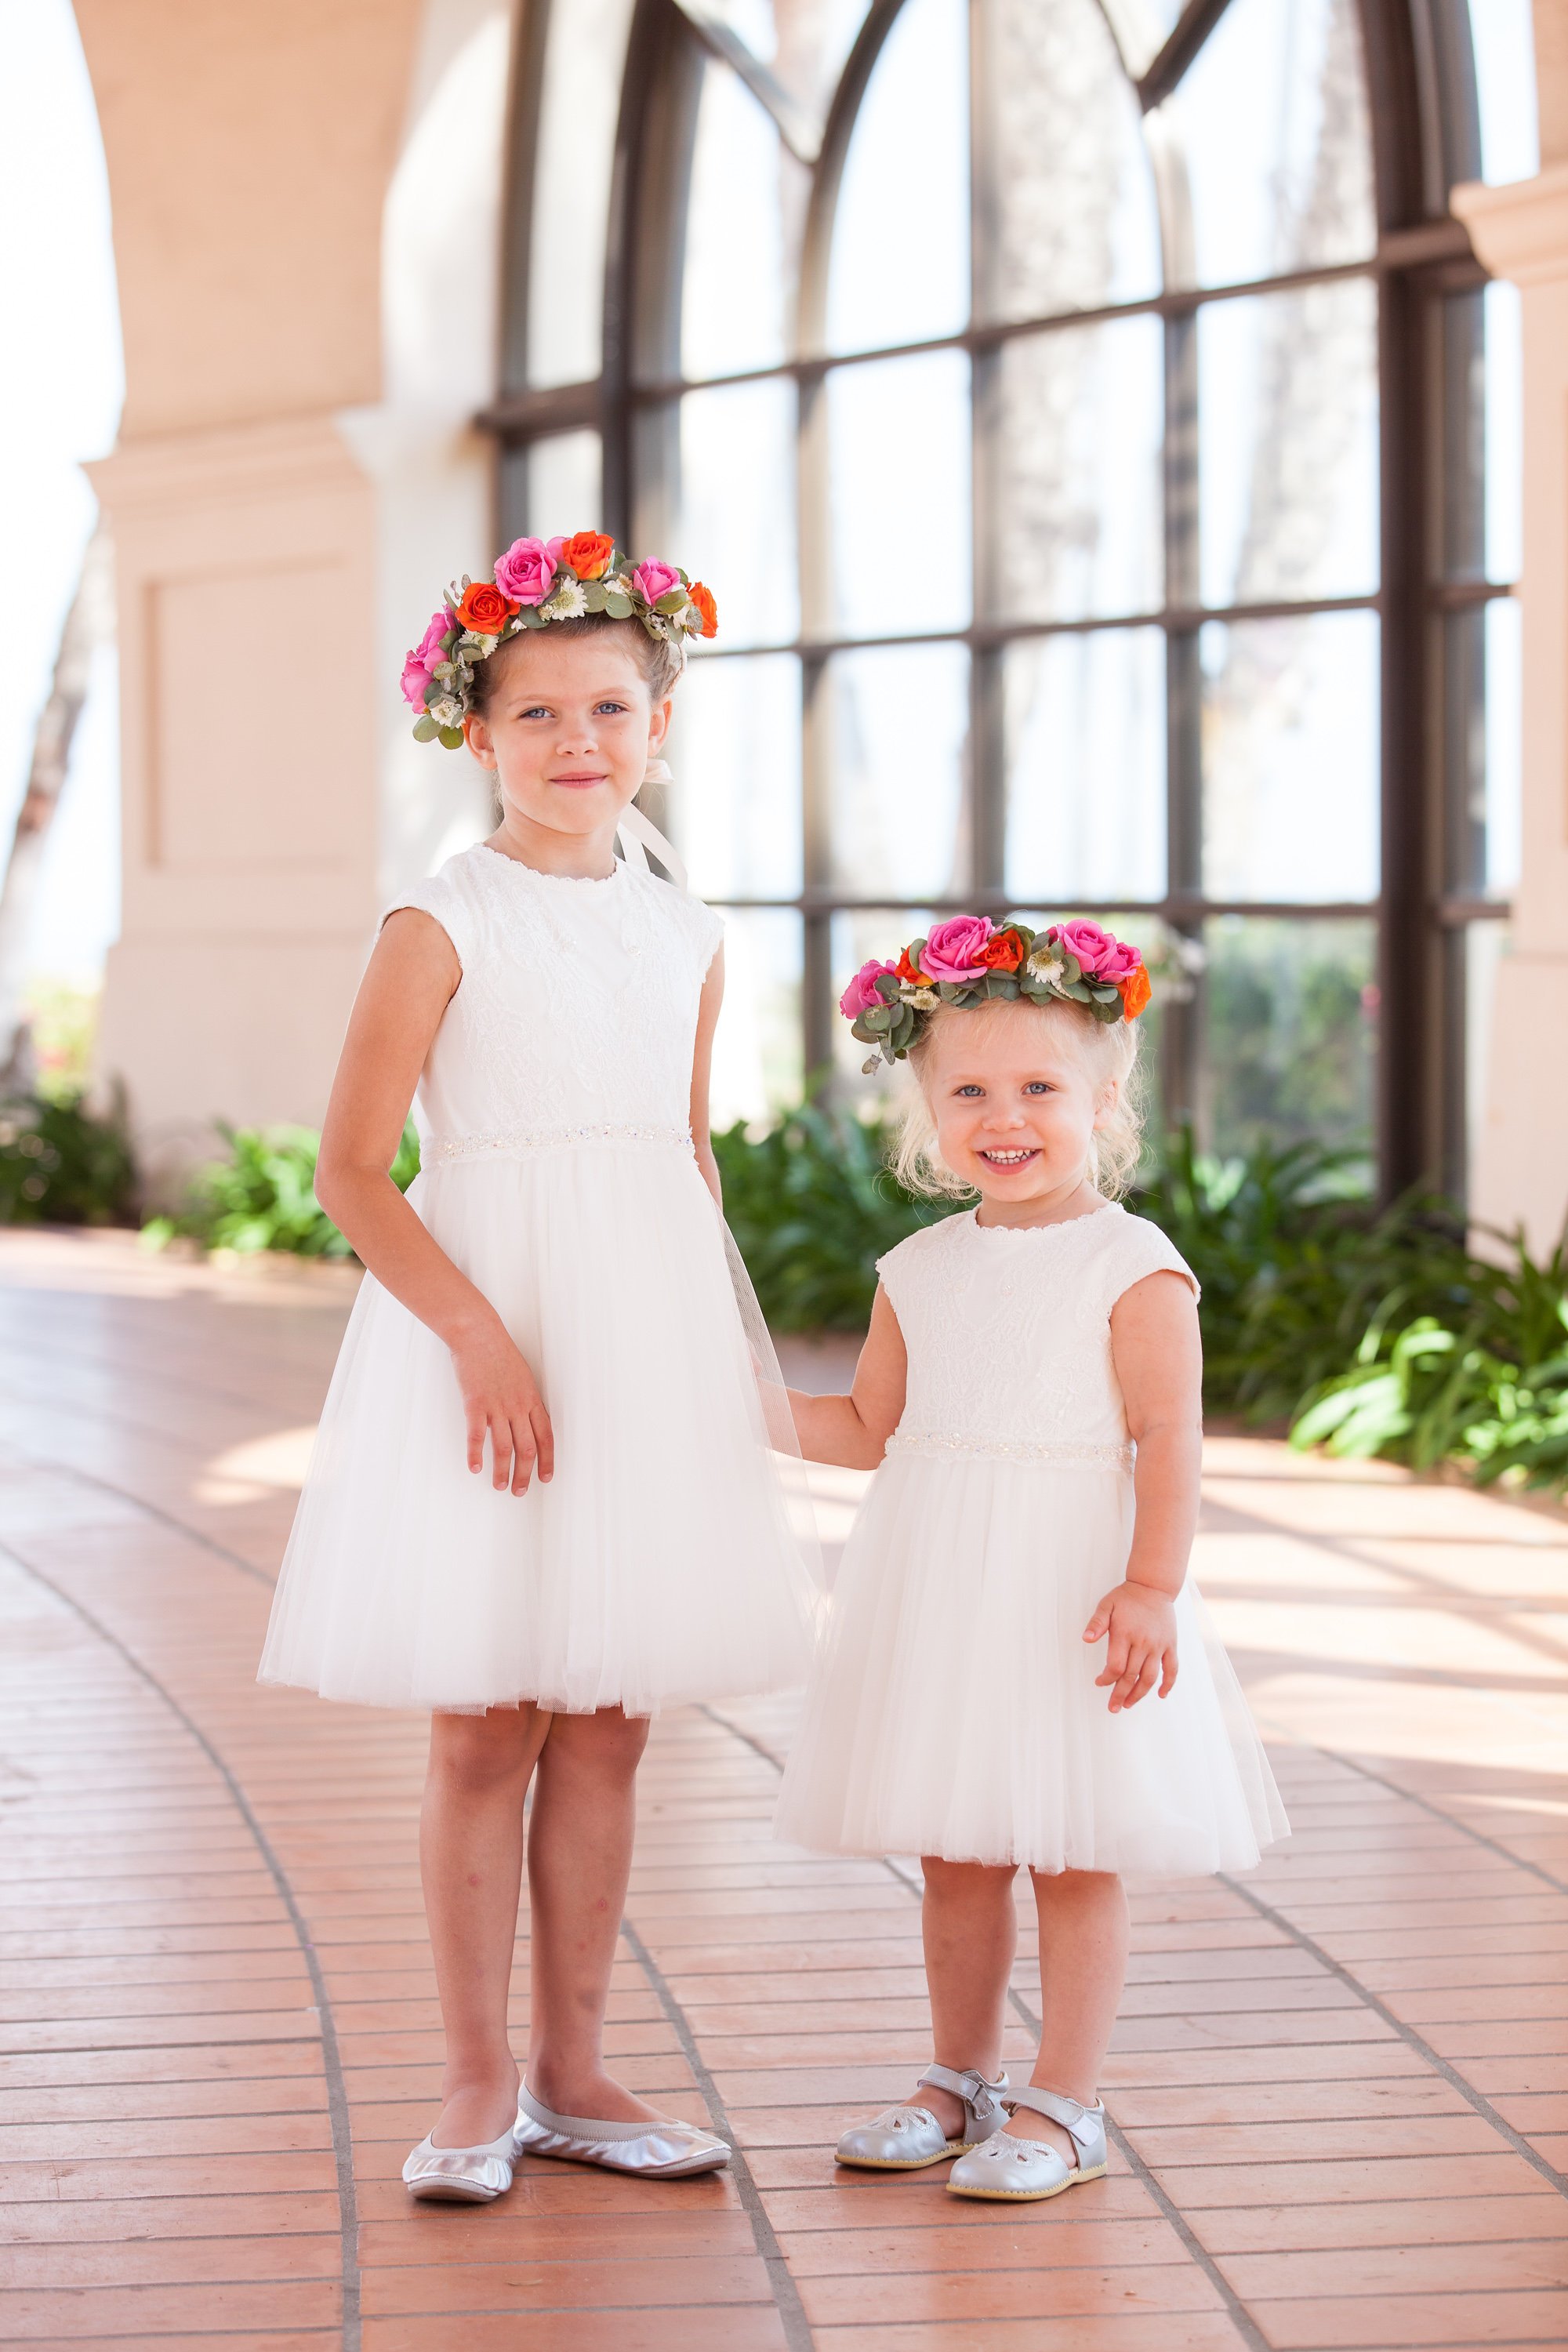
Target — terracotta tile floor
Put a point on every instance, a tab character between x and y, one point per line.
1341	2087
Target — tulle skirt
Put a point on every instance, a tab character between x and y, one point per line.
954	1711
658	1565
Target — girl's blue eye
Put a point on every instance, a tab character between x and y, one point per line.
969	1088
1038	1086
611	705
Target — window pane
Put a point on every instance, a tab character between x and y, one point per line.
1504	39
1085	731
743	224
757	1051
717	477
1290	758
1291	1033
900	272
898	434
1076	507
1064	171
560	486
1287	445
1484	947
856	935
585	52
1504	746
900	723
803	43
1504	430
735	749
1272	125
1143	27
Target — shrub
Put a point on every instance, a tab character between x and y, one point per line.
61	1164
262	1197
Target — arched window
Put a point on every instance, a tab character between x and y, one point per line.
1079	408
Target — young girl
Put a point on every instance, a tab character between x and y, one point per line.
1014	1589
554	1286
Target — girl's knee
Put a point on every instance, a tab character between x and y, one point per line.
478	1753
609	1743
1067	1888
974	1879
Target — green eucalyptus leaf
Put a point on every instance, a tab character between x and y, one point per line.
425	729
595	595
617	605
453	738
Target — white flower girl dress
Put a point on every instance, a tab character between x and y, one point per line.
955	1712
659	1564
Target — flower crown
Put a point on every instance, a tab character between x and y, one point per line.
538	581
970	960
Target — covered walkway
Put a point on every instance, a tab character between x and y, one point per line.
1341	2086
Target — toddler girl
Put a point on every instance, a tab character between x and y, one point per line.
1014	1589
554	1287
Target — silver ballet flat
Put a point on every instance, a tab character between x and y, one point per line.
463	2175
660	2150
1021	2171
904	2139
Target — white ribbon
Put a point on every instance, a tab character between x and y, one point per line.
638	834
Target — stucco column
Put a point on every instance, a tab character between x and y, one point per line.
1521	1176
249	153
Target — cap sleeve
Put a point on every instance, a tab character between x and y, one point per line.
1140	1248
438	896
708	931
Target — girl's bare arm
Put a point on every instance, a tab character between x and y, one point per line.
1158	1355
703	1071
414	972
853	1430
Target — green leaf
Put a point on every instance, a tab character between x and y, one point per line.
617	605
452	737
595	595
424	730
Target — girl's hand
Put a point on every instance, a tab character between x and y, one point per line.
500	1395
1141	1623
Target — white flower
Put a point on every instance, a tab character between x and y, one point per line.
567	603
924	1000
447	712
1047	965
479	648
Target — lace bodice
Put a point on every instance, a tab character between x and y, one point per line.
1008	1332
578	1007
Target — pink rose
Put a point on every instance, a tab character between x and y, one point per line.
861	994
1100	954
418	670
952	950
653	581
525	572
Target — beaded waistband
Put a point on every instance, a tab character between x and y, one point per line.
1000	1449
522	1141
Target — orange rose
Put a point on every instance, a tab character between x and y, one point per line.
703	599
485	610
588	553
911	972
1003	951
1135	991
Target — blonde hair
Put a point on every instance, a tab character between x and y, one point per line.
1108	1051
660	659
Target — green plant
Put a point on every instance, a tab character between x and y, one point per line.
61	1164
812	1206
262	1197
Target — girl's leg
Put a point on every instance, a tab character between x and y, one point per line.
579	1860
970	1930
1083	1960
470	1860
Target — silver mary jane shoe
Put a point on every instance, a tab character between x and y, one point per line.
904	2139
660	2150
462	2175
1020	2171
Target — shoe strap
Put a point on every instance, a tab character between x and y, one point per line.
1083	2122
981	2099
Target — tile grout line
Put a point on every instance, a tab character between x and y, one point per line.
50	1466
1449	1821
1247	2326
337	2091
785	2294
1476	2100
